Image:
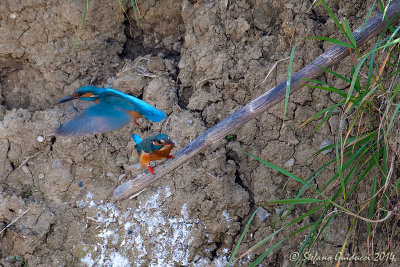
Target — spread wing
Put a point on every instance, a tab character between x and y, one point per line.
132	103
96	119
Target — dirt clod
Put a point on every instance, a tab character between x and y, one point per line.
198	61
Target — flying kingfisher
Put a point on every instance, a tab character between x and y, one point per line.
113	109
153	148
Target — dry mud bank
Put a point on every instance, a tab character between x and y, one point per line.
197	61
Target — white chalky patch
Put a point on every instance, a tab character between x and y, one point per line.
142	233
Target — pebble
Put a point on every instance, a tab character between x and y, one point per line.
326	143
262	214
25	169
40	139
289	163
41	176
122	176
80	184
57	164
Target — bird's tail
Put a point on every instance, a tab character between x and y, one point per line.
136	138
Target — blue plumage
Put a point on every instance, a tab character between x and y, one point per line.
148	145
153	148
113	109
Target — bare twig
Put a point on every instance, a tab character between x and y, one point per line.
94	220
145	74
273	67
328	59
27	159
14	221
94	76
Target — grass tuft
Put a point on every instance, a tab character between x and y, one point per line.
368	106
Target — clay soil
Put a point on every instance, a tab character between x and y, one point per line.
198	62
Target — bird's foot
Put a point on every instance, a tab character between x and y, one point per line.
151	170
134	120
170	157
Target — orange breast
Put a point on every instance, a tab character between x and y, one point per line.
134	114
145	158
164	152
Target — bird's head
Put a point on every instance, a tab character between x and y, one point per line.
161	141
88	93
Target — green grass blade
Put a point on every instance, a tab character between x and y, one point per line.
298	219
241	238
259	259
395	187
82	25
134	10
334	18
333	41
367	18
355	78
394	34
289	80
370	164
266	253
371	65
327	116
322	112
391	120
328	89
295	201
372	204
334	73
296	178
339	169
386	7
349	32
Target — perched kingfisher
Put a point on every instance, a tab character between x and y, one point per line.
113	109
153	148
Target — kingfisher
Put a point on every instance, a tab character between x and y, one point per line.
153	148
113	109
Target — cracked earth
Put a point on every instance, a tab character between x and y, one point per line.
198	62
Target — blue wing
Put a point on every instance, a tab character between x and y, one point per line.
132	103
96	119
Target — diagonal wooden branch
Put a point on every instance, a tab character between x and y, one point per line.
328	59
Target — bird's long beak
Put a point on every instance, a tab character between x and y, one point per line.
168	143
68	98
